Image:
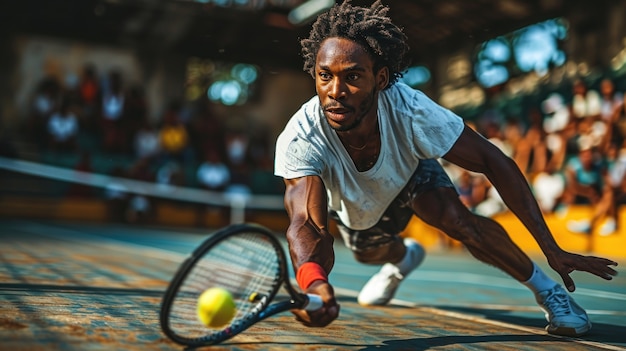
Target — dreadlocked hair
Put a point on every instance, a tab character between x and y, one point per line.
369	27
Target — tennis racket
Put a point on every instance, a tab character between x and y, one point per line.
248	261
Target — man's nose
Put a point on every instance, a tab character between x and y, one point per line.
337	89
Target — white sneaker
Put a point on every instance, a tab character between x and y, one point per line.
381	287
563	313
609	227
582	226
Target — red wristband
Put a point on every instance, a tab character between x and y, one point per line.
308	273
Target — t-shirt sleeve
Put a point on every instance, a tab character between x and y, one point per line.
295	157
435	129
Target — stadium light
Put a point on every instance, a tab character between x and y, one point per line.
308	10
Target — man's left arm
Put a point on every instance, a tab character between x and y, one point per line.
475	153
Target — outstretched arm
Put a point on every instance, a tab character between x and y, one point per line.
311	245
473	152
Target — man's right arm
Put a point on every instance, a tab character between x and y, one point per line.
308	236
310	243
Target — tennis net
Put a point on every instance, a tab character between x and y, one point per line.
21	177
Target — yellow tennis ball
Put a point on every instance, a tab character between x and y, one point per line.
216	307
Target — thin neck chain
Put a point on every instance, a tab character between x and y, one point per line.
359	148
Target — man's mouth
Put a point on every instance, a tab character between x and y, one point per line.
337	115
337	112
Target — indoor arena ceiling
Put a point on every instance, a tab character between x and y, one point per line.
258	31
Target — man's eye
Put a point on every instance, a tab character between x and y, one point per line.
353	76
324	76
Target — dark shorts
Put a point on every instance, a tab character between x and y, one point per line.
428	175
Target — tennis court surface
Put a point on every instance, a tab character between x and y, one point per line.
68	286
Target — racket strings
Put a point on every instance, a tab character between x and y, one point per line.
246	264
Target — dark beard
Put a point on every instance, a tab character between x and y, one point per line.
365	106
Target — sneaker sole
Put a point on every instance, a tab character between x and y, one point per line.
375	303
565	331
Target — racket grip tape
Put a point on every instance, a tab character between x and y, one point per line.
314	302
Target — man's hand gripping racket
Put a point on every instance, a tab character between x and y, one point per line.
247	261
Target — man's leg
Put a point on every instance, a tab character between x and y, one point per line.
488	241
381	245
484	238
381	287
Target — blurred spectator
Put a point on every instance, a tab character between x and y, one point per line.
112	112
88	93
494	134
587	183
617	181
470	191
512	134
213	174
610	100
146	141
236	148
557	113
486	200
548	187
585	102
591	133
530	150
174	136
618	125
492	203
237	152
477	193
63	127
558	127
44	102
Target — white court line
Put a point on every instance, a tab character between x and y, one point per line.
178	257
477	279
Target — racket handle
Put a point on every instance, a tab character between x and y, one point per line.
315	302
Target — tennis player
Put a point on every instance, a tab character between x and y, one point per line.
364	152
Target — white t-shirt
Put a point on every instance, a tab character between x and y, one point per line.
412	127
63	127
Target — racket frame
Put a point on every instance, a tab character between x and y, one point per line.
264	309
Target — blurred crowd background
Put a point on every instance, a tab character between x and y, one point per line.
550	94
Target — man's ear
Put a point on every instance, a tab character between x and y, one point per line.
382	78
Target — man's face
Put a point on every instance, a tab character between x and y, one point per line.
346	83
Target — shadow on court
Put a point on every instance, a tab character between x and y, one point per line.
600	332
478	342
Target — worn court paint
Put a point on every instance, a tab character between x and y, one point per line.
90	294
